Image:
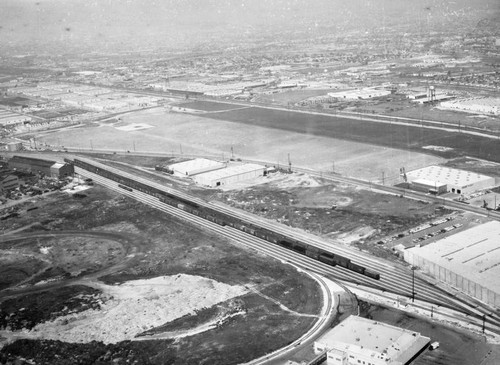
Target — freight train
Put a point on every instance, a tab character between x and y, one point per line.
224	219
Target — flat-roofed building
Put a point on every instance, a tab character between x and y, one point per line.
360	94
61	170
196	166
8	118
428	186
468	261
358	340
456	181
230	175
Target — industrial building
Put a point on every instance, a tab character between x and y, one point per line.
229	175
196	166
46	167
434	178
359	340
360	94
8	118
11	145
468	261
8	181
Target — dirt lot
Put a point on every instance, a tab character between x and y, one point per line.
152	268
360	217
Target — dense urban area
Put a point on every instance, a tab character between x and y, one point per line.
240	183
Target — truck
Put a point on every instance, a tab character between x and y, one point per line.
434	345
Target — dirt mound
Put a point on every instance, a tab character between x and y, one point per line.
137	306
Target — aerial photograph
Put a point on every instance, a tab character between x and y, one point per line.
255	182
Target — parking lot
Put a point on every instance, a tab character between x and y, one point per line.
434	230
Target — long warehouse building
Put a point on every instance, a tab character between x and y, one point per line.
468	261
444	179
229	175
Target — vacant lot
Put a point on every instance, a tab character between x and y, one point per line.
340	212
381	134
107	264
208	106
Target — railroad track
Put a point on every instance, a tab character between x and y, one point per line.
391	274
391	277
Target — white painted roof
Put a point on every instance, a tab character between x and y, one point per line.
57	165
375	339
230	171
473	254
196	165
446	175
430	183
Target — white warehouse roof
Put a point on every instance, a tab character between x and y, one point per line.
446	175
429	183
196	166
473	254
363	339
232	171
230	174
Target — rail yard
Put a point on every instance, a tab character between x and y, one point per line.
388	277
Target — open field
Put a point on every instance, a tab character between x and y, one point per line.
121	262
208	106
381	134
176	133
14	101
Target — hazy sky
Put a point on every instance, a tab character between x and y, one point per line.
170	21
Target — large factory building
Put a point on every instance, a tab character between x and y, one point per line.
358	340
440	179
36	165
468	261
196	166
229	175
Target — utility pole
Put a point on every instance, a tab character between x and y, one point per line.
383	177
232	153
413	268
180	147
289	164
